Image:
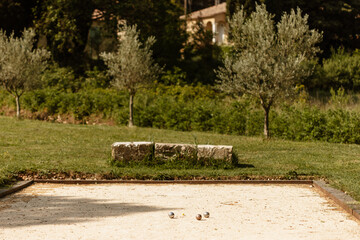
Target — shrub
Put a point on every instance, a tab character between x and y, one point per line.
342	69
189	109
62	79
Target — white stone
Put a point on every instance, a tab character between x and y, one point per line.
171	150
131	151
218	152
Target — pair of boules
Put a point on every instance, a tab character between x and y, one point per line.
205	214
198	216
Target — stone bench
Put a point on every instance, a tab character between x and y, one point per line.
138	151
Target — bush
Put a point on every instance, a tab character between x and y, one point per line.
196	108
96	79
310	123
62	79
81	104
342	69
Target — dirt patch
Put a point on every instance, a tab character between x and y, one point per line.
58	118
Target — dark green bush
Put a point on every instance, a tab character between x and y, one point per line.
340	70
80	104
96	79
189	108
310	123
62	79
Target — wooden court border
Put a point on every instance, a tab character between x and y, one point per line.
343	200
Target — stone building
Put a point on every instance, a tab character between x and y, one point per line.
213	19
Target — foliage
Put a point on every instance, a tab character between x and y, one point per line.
267	62
339	98
196	108
173	77
233	5
132	65
338	20
20	64
310	123
61	78
198	5
65	25
15	15
96	79
342	69
153	18
80	105
201	56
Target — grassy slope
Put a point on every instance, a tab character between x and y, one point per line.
45	147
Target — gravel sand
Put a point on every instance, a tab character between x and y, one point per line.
135	211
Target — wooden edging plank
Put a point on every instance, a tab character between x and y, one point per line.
18	186
346	202
176	181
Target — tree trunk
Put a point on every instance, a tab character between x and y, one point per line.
17	98
266	122
131	108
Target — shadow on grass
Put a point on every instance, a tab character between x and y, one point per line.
244	165
56	210
181	162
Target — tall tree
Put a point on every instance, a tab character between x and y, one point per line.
161	20
338	20
15	15
132	65
20	64
201	56
154	18
233	5
195	5
268	61
65	25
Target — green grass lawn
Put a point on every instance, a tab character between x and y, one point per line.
47	148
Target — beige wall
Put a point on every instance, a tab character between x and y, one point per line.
218	26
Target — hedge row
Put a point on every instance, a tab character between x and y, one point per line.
181	109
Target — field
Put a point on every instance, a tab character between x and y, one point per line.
62	150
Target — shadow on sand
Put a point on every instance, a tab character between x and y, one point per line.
24	210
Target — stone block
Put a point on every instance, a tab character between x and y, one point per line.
131	151
170	150
217	152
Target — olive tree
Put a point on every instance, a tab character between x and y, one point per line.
20	64
132	65
267	60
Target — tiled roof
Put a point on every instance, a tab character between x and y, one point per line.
207	12
97	15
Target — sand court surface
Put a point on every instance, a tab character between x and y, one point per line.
140	211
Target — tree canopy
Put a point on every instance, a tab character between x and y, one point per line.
132	65
15	15
20	64
338	20
268	61
65	25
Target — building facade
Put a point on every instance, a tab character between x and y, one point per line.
213	19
